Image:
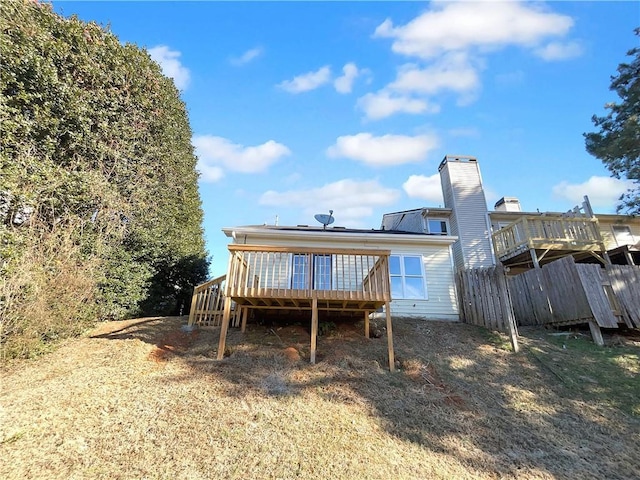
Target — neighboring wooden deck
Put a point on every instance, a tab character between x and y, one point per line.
540	239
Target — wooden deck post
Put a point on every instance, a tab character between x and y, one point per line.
392	363
225	326
245	314
596	334
629	257
314	328
534	257
192	312
366	323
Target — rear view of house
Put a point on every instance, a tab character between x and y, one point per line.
365	272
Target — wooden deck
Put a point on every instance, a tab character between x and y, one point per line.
299	278
533	240
284	277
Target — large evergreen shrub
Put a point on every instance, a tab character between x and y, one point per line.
97	173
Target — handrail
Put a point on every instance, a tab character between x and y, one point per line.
207	284
207	303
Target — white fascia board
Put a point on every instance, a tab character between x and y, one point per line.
359	237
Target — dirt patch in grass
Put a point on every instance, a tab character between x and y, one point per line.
143	399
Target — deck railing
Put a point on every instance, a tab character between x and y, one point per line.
207	304
304	273
560	233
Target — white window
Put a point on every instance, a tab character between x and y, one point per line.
321	272
299	272
623	235
436	226
407	277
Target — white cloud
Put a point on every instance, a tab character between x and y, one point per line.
602	191
383	151
384	103
351	200
217	154
209	173
451	39
414	85
559	51
247	56
344	83
307	81
425	188
453	26
169	61
451	72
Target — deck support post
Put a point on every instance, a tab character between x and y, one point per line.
245	314
534	257
392	363
629	257
192	312
596	334
366	323
314	328
225	326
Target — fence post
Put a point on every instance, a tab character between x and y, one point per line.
507	308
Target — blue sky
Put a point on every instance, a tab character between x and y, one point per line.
297	108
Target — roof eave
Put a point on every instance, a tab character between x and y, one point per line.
323	235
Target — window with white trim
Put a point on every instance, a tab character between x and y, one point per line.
407	277
300	272
436	226
322	272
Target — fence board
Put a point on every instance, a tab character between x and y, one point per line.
592	282
566	295
625	283
485	301
534	308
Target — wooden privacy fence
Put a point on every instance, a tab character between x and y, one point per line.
625	283
529	298
559	293
565	292
484	300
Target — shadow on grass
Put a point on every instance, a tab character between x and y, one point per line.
457	392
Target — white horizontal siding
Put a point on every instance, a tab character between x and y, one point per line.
463	192
449	202
608	237
441	303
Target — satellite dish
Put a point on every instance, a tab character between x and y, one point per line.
325	219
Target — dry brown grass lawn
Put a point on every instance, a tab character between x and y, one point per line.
140	399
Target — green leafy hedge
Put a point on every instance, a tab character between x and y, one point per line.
95	147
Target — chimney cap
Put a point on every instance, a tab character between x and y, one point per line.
509	204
